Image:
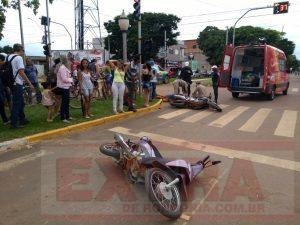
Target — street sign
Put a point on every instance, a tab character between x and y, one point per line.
281	7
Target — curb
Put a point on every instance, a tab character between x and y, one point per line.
19	142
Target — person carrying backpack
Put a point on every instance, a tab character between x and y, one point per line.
2	94
15	77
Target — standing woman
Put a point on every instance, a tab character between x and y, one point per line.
118	86
86	87
146	77
64	82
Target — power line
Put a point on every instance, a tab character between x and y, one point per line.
208	21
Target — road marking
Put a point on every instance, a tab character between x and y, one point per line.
7	165
196	117
223	106
295	89
253	157
200	115
287	124
186	217
254	123
228	117
174	114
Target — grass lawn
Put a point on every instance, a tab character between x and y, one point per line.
37	115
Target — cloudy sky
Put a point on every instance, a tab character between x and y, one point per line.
195	15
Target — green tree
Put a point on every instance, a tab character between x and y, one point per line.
212	40
6	49
292	62
153	26
4	4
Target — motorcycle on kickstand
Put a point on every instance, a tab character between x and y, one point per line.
165	180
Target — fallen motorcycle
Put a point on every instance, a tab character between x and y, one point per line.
165	180
181	101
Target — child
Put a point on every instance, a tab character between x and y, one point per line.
49	101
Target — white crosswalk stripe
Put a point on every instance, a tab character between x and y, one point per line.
174	114
254	123
287	124
228	117
200	115
285	128
295	89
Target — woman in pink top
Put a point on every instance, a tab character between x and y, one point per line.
64	82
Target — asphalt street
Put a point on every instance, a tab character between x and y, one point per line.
66	180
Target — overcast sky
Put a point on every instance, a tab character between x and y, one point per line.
195	15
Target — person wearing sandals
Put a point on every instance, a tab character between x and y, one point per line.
86	87
64	82
118	86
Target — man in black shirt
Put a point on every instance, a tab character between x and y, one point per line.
215	81
186	75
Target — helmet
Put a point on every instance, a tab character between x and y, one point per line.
186	63
214	67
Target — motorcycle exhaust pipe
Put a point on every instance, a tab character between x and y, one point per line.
172	183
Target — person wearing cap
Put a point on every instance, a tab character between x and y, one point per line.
186	75
17	113
200	90
215	81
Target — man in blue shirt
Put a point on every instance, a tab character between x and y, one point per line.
32	74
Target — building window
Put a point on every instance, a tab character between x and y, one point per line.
194	46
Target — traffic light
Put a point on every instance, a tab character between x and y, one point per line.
281	7
137	9
46	50
44	21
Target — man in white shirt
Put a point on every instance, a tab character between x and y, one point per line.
17	113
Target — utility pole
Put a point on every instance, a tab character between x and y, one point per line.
21	23
166	52
81	27
226	35
140	49
48	25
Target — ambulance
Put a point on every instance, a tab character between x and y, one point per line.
254	69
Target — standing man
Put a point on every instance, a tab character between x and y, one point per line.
32	74
215	81
17	113
2	94
186	75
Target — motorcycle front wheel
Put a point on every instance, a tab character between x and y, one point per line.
214	106
166	200
110	149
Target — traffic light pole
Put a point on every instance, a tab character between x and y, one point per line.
48	57
140	52
257	8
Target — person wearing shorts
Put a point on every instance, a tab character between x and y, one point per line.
86	87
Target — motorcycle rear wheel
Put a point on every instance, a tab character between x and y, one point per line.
110	149
167	201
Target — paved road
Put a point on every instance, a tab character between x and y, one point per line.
66	180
